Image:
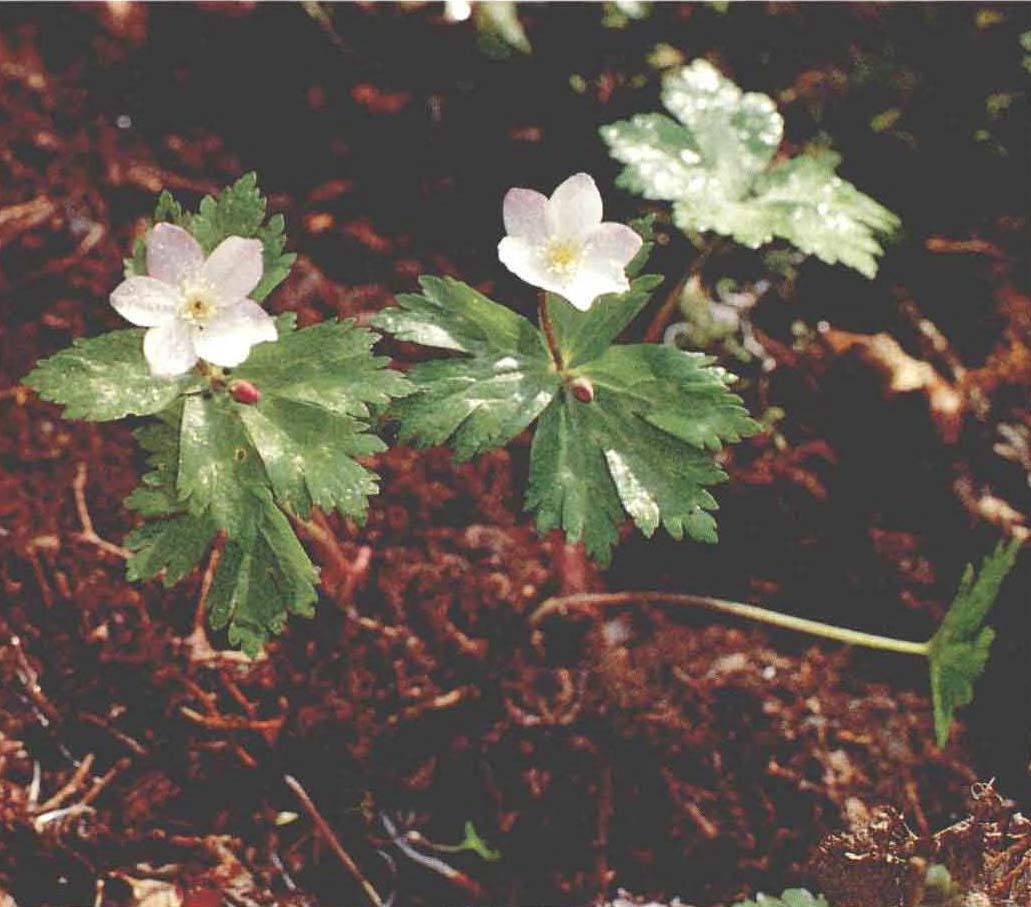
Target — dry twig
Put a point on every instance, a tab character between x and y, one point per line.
332	840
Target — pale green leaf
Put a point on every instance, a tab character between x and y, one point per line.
105	378
715	166
793	897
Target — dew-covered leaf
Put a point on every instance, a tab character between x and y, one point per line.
793	897
715	165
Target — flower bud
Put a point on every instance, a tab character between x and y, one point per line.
582	389
244	392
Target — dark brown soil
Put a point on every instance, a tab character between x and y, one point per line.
660	752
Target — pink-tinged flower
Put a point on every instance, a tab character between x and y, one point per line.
561	245
195	308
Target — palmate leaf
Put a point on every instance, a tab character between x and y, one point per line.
220	466
958	651
639	446
232	454
105	378
714	163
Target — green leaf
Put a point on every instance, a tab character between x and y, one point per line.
715	166
793	897
262	576
958	651
174	544
105	378
451	315
220	466
166	209
329	365
217	463
308	453
474	843
569	486
639	446
583	336
682	393
485	398
175	541
318	388
238	210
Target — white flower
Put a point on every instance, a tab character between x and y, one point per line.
561	245
195	308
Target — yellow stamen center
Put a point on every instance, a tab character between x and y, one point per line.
563	257
198	306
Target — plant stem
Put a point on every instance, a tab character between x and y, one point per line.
737	609
549	331
658	324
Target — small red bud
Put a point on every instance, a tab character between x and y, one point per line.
244	392
583	390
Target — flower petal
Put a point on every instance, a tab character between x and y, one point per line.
169	349
614	243
574	207
523	259
227	338
594	280
172	254
145	301
525	213
234	268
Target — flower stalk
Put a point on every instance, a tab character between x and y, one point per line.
549	331
562	603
